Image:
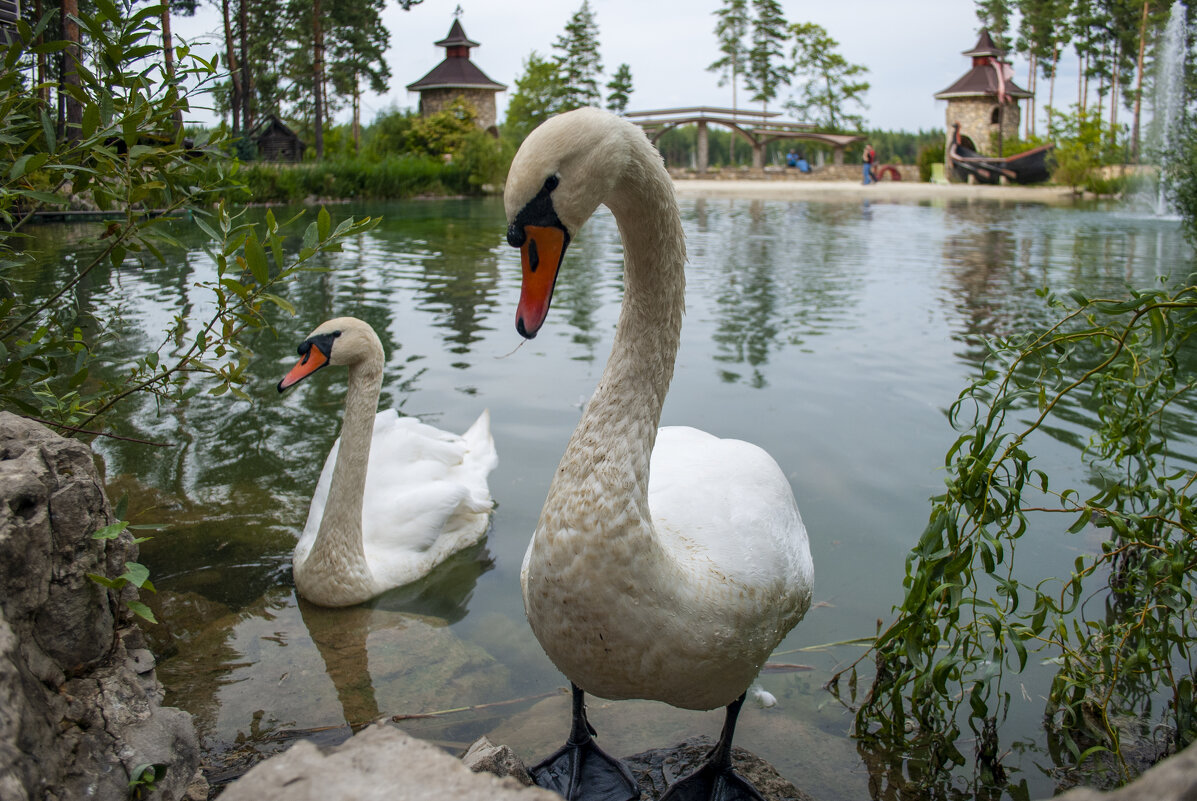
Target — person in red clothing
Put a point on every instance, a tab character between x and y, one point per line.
870	159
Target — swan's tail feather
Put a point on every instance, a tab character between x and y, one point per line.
481	444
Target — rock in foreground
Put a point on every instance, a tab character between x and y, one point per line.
79	698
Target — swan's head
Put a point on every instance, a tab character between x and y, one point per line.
345	340
562	172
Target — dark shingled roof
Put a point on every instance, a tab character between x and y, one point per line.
456	71
984	46
980	81
456	37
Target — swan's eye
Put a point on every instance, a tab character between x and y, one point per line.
551	182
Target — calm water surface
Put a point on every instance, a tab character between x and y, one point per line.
835	335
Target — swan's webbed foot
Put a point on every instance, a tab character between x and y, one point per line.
711	783
717	780
580	770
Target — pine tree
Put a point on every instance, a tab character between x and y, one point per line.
620	89
538	95
356	52
830	81
579	60
995	16
730	31
767	70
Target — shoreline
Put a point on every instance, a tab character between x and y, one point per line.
889	191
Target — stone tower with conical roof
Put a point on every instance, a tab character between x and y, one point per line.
985	99
456	76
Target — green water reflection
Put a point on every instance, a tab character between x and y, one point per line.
833	334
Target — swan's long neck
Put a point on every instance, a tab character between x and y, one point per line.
338	546
609	452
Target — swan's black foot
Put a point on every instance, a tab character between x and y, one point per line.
716	780
580	770
712	783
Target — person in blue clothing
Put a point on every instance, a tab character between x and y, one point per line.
791	159
870	158
802	164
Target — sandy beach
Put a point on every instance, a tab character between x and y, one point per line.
889	191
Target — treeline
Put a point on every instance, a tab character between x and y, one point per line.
1115	44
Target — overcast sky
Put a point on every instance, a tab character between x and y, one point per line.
912	50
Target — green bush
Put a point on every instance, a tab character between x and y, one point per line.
1083	145
391	178
928	156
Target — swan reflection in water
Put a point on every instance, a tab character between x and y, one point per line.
341	635
281	668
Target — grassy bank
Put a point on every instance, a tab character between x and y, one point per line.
390	178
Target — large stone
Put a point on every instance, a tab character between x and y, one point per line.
380	763
80	706
1174	779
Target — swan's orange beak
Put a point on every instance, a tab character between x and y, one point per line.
313	359
541	255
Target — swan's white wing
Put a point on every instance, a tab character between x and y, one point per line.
728	504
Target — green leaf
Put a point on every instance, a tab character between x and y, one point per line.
255	256
135	573
323	223
111	532
142	611
112	584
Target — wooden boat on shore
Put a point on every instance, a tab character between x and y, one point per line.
1028	167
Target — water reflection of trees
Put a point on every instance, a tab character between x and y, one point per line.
998	258
778	274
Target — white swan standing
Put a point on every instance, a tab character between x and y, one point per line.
396	497
667	572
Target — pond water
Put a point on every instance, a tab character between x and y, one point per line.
833	334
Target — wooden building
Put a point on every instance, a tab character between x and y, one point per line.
276	141
456	76
984	100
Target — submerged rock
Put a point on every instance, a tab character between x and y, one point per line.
82	705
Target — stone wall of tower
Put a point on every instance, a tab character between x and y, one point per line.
483	101
975	115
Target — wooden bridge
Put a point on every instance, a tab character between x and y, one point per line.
758	127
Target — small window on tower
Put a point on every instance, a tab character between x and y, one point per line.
996	117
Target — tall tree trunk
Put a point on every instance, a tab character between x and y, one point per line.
1114	95
1139	84
70	70
731	140
318	77
1051	87
1085	84
248	118
1029	122
357	116
230	58
43	66
168	59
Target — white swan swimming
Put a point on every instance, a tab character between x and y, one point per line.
396	497
669	572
